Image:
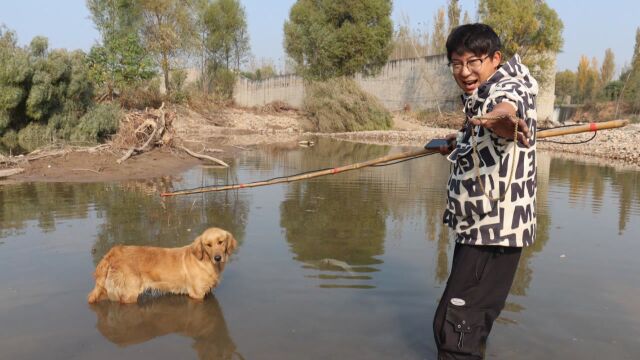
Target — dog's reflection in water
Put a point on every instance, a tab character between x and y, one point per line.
203	321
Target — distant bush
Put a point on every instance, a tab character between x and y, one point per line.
33	136
48	95
141	95
339	105
223	82
98	123
10	138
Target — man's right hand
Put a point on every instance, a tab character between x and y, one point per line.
451	139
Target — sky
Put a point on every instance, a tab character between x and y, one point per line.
590	26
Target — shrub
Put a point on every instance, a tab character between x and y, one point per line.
223	81
10	139
140	96
340	105
33	135
98	123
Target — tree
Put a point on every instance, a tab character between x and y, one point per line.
407	43
439	38
167	31
529	28
334	38
631	87
466	19
453	13
587	79
565	85
121	60
227	37
608	67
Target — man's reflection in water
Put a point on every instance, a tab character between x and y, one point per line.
203	321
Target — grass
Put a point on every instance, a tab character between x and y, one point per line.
339	105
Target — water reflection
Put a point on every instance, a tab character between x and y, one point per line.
377	228
588	182
336	227
137	217
202	321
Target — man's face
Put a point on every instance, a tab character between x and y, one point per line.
470	70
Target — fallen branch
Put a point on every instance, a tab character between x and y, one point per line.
205	157
97	172
9	172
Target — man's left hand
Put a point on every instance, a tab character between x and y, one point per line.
502	123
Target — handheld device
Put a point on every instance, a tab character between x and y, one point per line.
435	144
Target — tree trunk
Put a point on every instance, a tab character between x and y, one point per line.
165	70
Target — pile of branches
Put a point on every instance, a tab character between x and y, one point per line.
142	131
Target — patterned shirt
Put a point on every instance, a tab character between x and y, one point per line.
474	217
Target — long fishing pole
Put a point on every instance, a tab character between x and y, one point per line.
560	131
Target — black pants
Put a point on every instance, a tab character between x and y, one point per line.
478	285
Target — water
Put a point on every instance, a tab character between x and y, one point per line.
349	266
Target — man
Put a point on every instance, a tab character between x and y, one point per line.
491	188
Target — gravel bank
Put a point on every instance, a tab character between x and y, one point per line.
617	146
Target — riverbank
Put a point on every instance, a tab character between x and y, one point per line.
227	131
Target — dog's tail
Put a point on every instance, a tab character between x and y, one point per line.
99	291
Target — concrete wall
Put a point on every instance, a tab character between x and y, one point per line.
420	83
547	93
286	88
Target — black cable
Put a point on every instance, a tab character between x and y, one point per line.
403	160
572	142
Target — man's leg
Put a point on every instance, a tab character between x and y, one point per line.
476	290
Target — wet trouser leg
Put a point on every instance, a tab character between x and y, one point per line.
476	290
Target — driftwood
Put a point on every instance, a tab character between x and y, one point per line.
9	172
13	162
205	157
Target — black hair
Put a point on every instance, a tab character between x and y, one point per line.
477	38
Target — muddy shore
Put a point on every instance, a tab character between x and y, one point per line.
236	130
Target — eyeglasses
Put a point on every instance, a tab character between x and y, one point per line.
472	65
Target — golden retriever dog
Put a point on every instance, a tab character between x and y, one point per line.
127	271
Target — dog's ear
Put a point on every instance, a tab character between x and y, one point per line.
197	248
232	244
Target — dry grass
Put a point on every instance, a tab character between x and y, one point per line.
339	105
450	120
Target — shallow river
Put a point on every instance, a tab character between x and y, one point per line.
348	266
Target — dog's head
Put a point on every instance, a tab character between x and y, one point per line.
214	244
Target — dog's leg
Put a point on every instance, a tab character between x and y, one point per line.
96	295
99	292
130	290
196	294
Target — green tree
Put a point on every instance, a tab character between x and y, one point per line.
330	38
121	60
631	87
167	31
529	28
227	37
565	85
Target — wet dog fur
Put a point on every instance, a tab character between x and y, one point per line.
125	272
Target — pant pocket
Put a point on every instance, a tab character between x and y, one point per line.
463	331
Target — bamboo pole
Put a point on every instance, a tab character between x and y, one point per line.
388	158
